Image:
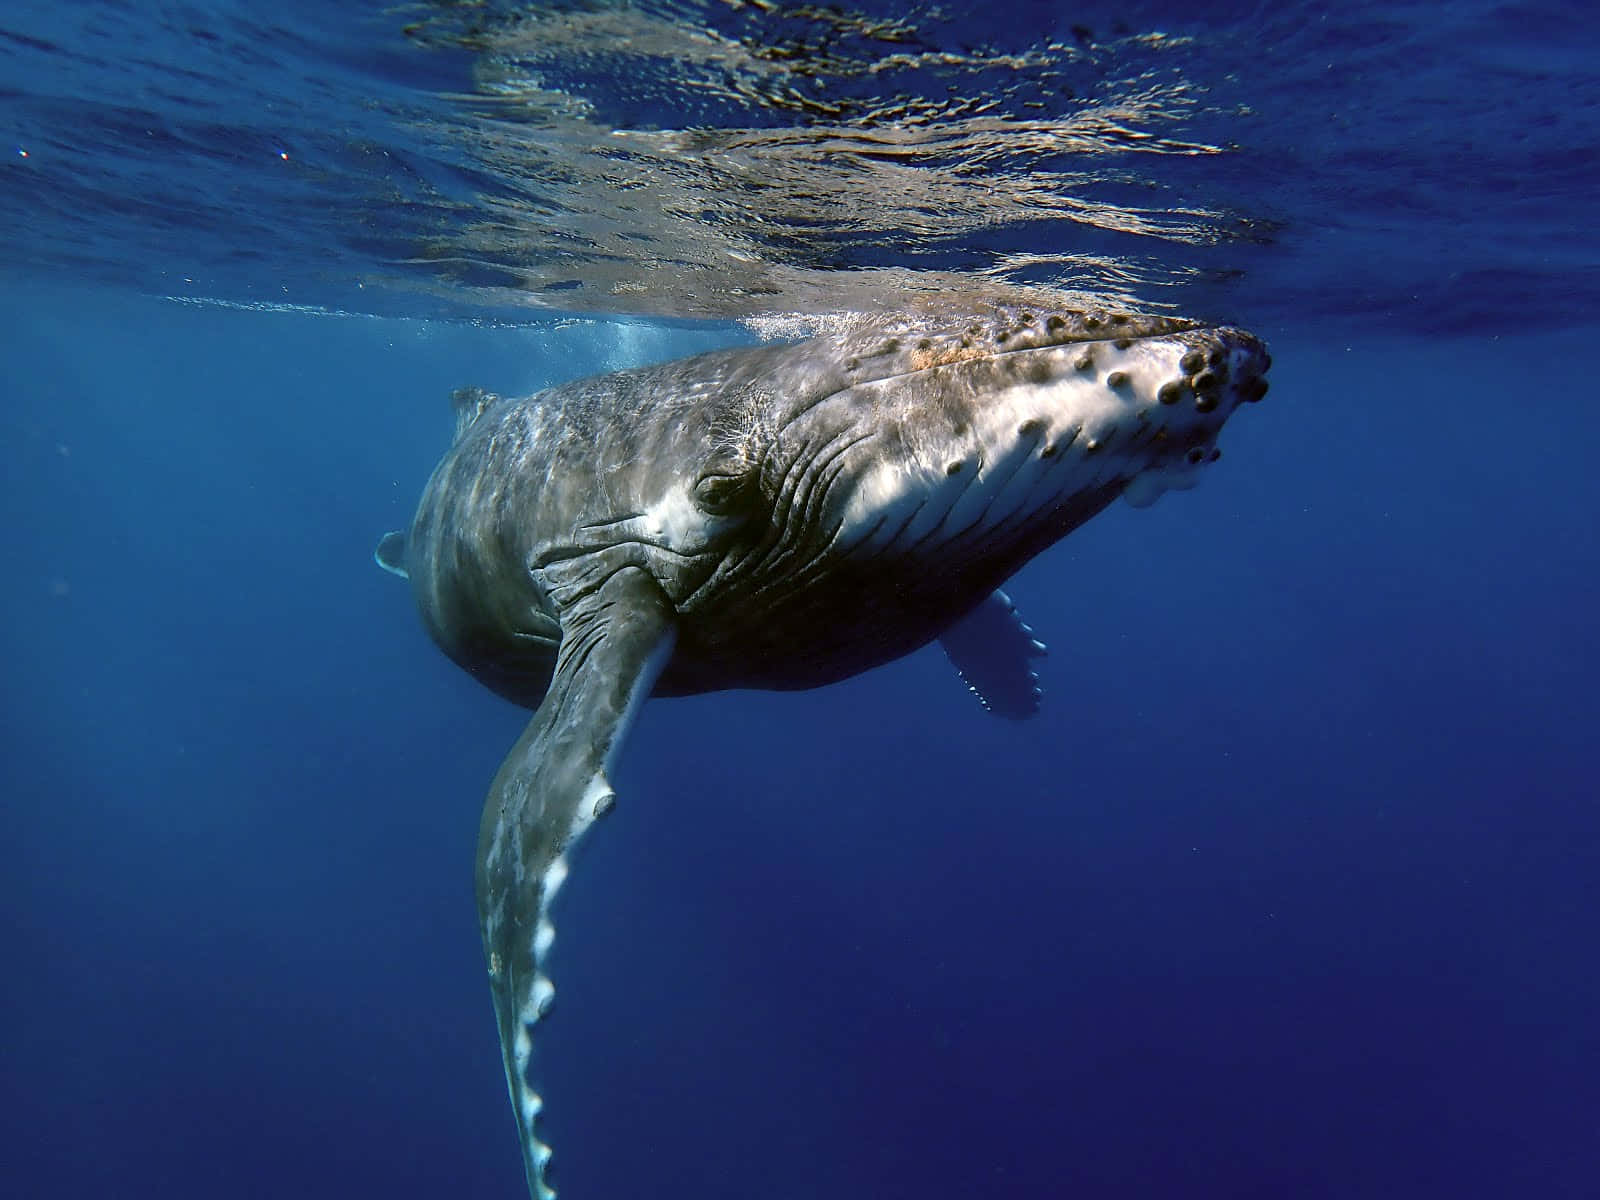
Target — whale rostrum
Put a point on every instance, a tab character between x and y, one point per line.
781	517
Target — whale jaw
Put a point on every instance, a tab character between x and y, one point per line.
965	453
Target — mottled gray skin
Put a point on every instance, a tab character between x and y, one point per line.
768	517
766	436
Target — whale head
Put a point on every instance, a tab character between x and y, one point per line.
904	469
935	434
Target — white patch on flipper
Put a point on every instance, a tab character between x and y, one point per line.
555	875
541	1159
598	797
540	997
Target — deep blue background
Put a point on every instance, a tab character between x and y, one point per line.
1289	891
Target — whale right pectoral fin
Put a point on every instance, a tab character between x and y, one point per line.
991	649
616	636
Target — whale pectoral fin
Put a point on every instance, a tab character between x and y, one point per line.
390	553
615	639
990	648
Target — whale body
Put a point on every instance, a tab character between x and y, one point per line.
778	517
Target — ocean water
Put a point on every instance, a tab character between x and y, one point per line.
1288	890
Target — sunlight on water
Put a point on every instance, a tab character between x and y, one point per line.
812	159
1402	164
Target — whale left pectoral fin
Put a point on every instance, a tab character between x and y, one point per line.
616	637
991	649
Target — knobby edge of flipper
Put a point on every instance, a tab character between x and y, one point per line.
991	649
616	636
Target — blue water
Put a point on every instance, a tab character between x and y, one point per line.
1287	892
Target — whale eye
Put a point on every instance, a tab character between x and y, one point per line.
720	494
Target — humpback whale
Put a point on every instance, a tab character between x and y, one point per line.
776	516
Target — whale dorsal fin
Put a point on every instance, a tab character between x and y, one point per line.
991	649
390	553
617	631
468	404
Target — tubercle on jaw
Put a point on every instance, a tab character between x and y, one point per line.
1204	368
1000	331
1200	374
1226	366
1167	394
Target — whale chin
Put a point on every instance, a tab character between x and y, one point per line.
1144	490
